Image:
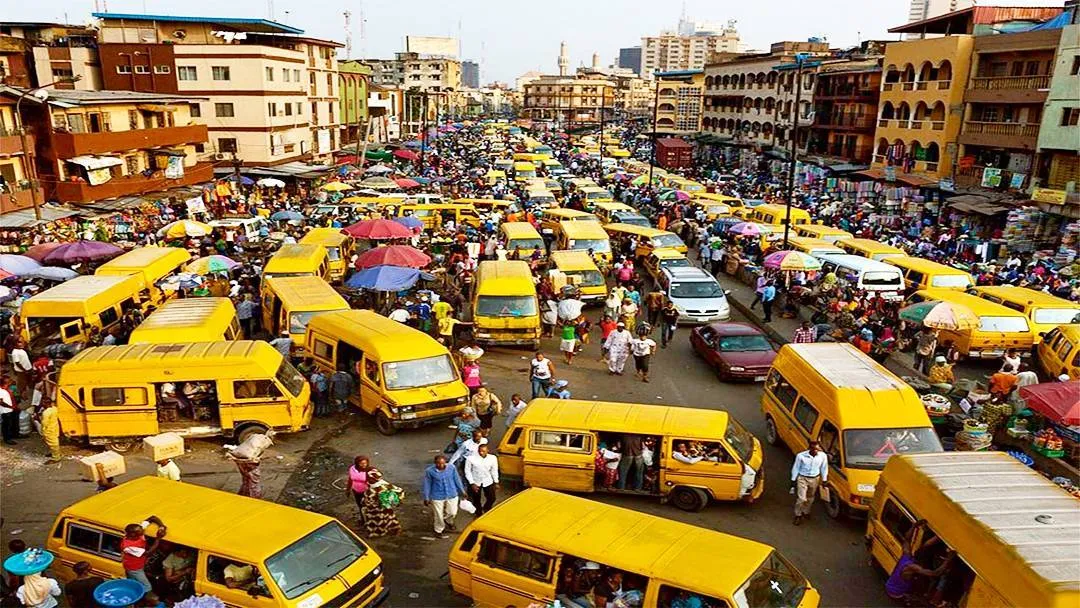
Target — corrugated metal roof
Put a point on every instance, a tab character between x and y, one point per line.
236	24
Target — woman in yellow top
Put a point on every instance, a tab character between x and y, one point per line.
50	432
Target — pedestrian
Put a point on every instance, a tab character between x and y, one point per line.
341	387
759	288
768	297
628	313
442	487
167	469
80	591
379	508
618	349
245	313
901	583
654	304
1003	383
50	432
487	405
541	370
283	343
925	346
358	482
482	473
38	591
631	463
319	387
810	470
22	368
470	376
136	548
608	460
250	477
716	258
611	304
468	447
804	334
642	347
568	343
669	321
9	414
517	404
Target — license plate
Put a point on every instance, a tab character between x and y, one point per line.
408	416
992	353
759	378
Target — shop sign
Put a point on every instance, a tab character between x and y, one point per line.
991	177
890	174
1049	195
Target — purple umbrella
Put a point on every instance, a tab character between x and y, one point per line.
80	252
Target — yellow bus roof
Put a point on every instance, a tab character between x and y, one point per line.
714	197
626	539
524	166
635	230
327	237
306	293
871	246
504	277
1026	296
97	361
819	230
572	260
190	315
614	206
909	262
294	257
574	214
152	263
979	306
583	230
519	230
862	388
667	253
618	417
82	296
1016	528
211	520
805	243
374	333
780	209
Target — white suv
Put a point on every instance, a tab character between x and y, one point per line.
696	294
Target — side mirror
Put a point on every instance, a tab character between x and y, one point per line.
727	292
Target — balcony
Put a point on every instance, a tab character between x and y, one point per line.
11	142
68	145
853	93
843	122
21	198
82	192
1011	82
1000	134
971	177
1008	89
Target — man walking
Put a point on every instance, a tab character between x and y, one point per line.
654	304
804	334
441	488
768	296
669	318
341	388
245	312
810	470
759	288
618	349
642	348
541	370
482	473
9	415
23	369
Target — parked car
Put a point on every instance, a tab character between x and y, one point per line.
736	351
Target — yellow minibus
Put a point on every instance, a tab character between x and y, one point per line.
524	170
859	411
518	554
583	272
552	442
404	378
645	240
435	215
812	246
504	304
194	319
583	236
819	231
339	249
119	394
662	258
152	264
521	237
869	248
289	304
71	310
1000	328
551	218
285	548
1016	534
596	194
1059	352
1044	311
296	260
606	210
776	214
922	274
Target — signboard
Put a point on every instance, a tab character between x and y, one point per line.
966	162
890	174
991	177
323	141
1017	181
1049	195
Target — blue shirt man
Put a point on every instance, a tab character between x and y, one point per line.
441	488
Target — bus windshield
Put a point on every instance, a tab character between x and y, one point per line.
314	559
775	583
290	378
1057	316
667	240
1003	324
953	281
871	448
418	372
598	245
505	306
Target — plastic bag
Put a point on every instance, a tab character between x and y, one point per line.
253	447
390	498
466	505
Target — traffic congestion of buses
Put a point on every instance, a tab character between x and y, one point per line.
516	554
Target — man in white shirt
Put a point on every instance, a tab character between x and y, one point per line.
810	470
23	368
167	469
482	475
400	314
9	416
468	447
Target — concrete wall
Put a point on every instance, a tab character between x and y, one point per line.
1064	87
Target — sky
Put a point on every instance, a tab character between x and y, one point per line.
509	38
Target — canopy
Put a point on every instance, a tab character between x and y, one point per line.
379	183
393	255
17	265
378	170
182	228
941	315
746	229
792	260
410	222
38	252
210	264
377	155
378	229
52	273
1058	401
384	278
407	183
271	182
406	154
81	251
95	162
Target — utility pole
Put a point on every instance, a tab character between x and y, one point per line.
30	160
799	59
423	127
655	107
602	127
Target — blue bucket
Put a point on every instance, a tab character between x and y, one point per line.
119	592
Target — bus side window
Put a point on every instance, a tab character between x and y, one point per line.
829	438
806	415
896	520
915	278
515	435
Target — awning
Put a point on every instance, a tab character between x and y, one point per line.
24	218
95	162
976	203
907	179
169	152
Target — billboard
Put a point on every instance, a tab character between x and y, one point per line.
435	46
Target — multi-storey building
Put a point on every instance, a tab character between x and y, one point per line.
36	54
18	189
633	95
1059	136
630	58
679	99
430	73
671	51
387	72
925	9
272	94
845	110
470	74
386	109
353	76
574	102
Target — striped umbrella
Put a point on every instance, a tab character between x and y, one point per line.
792	261
940	315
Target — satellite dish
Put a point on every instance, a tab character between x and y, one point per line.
179	34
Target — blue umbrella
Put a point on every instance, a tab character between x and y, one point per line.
247	181
285	216
17	264
410	222
413	143
52	273
421	180
386	278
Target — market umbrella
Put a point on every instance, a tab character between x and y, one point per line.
421	180
287	216
393	255
244	180
792	260
384	278
182	228
413	143
5	275
378	170
678	195
378	229
183	280
336	187
39	251
17	265
52	273
940	315
643	179
1058	401
746	229
210	264
377	155
6	293
271	182
407	183
406	154
410	222
80	252
379	183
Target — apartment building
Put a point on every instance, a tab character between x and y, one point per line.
353	76
17	188
271	93
36	54
845	110
1059	135
679	102
671	51
575	102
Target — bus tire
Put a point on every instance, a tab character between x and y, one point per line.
122	446
834	507
384	425
689	499
771	435
246	431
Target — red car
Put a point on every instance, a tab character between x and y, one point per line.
736	351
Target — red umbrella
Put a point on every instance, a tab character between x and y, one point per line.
1058	401
393	255
38	252
378	229
406	154
407	183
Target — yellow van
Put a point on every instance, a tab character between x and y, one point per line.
869	248
435	215
194	319
524	170
487	205
551	218
605	210
542	197
859	411
284	546
517	554
596	194
662	258
339	249
71	309
584	273
1044	311
521	237
583	236
921	274
403	376
1015	532
289	303
812	246
646	240
1000	328
553	443
1059	352
296	260
776	215
819	231
120	394
504	304
152	264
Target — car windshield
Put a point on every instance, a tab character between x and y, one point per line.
506	306
419	372
290	378
775	584
597	245
739	439
882	277
696	289
961	281
634	220
667	240
598	194
675	263
526	244
587	278
871	448
1003	324
1057	316
333	253
314	559
744	343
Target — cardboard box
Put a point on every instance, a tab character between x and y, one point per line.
112	464
163	446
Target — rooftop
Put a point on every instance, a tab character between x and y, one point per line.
964	21
234	24
65	97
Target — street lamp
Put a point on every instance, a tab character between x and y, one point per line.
42	95
800	60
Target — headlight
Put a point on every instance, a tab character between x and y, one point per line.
736	368
462	399
377	571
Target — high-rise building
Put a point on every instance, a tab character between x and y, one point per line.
924	9
630	58
671	51
470	74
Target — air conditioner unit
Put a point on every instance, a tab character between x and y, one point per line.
220	156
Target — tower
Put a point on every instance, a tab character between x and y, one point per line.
564	60
596	61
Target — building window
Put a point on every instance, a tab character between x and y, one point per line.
142	69
187	72
226	144
223	110
284	74
288	109
271	109
314	112
162	69
296	75
196	110
290	148
1075	66
123	69
200	148
269	74
299	109
59	73
1070	117
220	72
